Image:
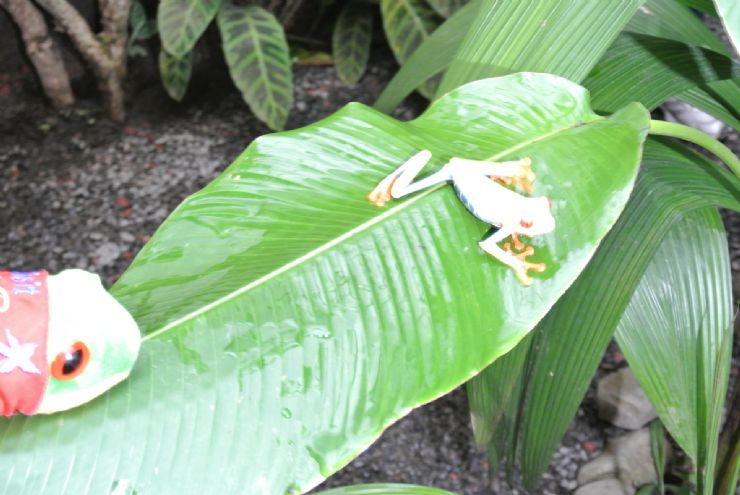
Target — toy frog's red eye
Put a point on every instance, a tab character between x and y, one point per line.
71	363
549	203
525	224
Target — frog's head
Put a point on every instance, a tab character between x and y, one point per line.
92	343
538	219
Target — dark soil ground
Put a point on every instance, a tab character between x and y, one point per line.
77	190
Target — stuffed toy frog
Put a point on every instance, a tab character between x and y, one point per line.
63	341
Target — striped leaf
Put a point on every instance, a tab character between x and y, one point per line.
182	22
563	37
729	12
651	70
446	8
287	321
407	24
259	61
175	73
351	41
676	334
670	20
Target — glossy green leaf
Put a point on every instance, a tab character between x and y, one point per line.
175	73
676	334
729	12
721	99
432	57
563	37
257	54
571	340
651	70
385	489
182	22
288	321
671	20
407	24
446	8
351	41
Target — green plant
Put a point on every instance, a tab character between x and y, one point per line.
288	321
683	59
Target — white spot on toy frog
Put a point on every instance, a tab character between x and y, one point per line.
513	213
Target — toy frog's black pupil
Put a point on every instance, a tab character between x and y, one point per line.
72	361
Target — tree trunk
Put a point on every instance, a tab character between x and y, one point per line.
42	51
106	53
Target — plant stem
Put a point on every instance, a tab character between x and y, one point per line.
680	131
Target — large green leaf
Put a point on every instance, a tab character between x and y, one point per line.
729	12
175	73
676	334
259	61
651	70
351	41
572	338
385	489
563	37
288	321
670	20
182	22
407	24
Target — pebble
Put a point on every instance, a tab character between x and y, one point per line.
622	401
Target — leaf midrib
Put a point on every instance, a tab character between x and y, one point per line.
349	234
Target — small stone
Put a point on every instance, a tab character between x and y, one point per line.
622	402
602	467
678	111
635	465
106	254
601	487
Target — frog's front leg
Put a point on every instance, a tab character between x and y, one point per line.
516	262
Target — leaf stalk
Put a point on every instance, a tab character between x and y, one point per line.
680	131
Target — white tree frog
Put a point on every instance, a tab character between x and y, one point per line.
514	214
63	341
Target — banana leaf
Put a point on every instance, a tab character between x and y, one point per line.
288	321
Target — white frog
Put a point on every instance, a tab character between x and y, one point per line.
489	200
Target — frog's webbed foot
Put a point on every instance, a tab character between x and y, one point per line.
382	192
516	261
524	266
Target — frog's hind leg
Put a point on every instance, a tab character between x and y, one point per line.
516	262
517	172
398	183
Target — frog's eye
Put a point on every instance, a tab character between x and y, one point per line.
549	203
525	224
71	363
